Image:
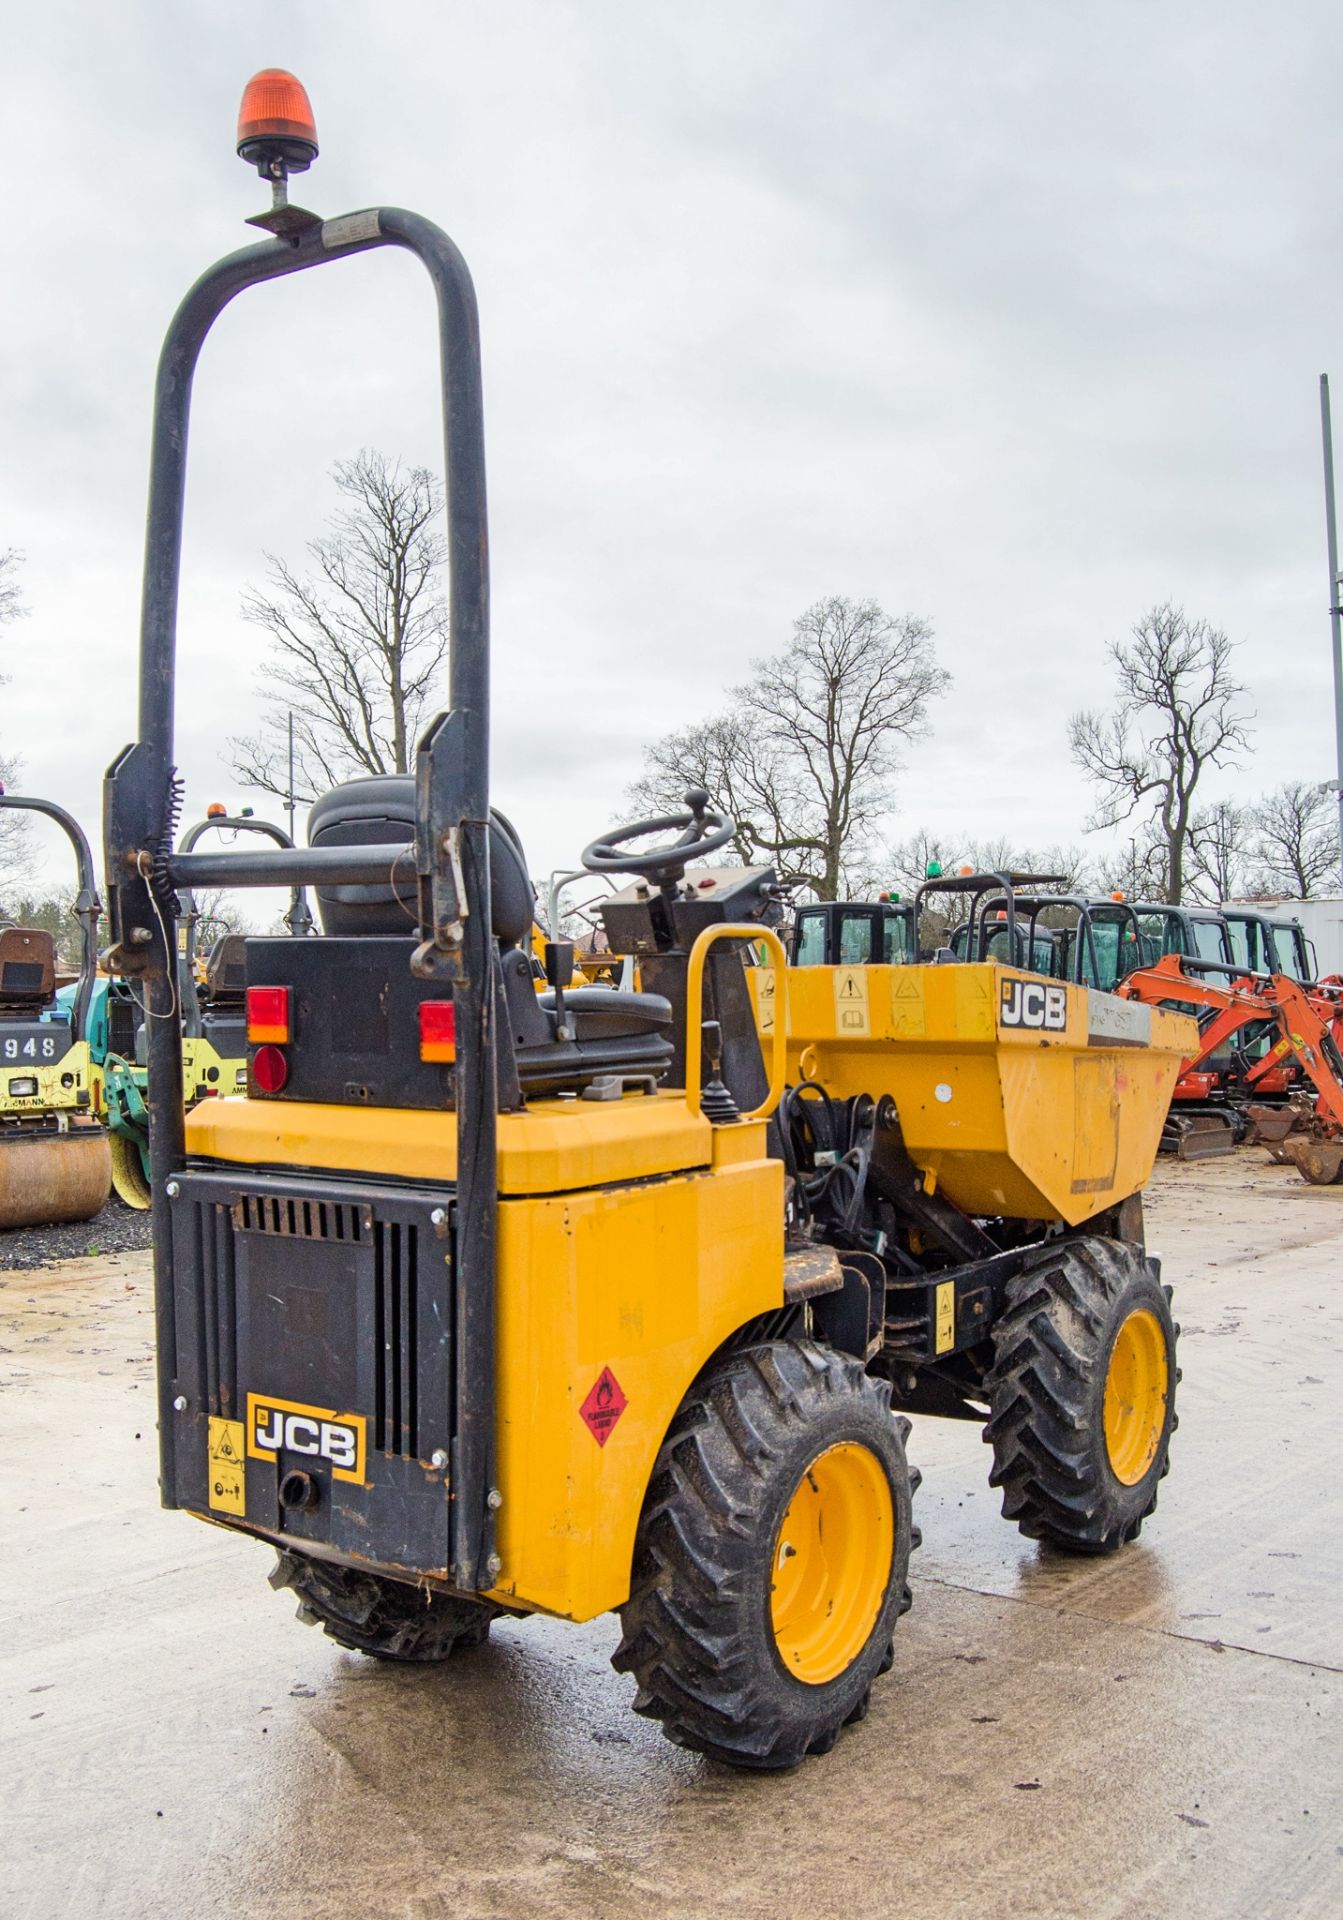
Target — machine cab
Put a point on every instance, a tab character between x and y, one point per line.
853	933
1198	933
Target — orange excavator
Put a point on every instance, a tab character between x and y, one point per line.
1270	1058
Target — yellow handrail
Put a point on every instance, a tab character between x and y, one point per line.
694	1006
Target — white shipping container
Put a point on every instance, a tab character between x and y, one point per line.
1321	922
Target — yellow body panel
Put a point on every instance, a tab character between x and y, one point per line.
647	1281
1002	1113
632	1237
555	1146
52	1095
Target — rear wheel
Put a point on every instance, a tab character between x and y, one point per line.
771	1560
389	1619
1082	1394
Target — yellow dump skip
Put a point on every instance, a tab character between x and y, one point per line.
1016	1094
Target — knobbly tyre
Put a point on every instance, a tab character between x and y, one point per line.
486	1301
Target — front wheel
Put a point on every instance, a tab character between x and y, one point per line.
771	1561
1082	1394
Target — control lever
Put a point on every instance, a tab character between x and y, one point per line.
715	1101
559	965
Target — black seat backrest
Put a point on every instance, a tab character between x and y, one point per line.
226	971
27	967
381	808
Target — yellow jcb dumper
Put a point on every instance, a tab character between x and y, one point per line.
483	1301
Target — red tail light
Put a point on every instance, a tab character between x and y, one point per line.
438	1030
267	1015
270	1070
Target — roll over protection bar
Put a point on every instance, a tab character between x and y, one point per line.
451	850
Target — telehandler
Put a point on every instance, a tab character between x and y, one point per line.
482	1301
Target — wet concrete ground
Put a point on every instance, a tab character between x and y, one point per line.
1154	1735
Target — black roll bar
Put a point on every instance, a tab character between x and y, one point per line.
452	839
87	907
976	885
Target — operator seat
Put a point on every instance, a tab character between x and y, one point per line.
28	984
595	1032
224	997
27	968
380	808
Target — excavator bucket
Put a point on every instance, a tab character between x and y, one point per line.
49	1178
1271	1125
1319	1161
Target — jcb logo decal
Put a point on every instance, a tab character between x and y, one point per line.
1032	1003
288	1426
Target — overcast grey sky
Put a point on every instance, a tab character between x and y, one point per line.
1009	316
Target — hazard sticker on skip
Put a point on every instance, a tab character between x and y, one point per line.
603	1406
853	1020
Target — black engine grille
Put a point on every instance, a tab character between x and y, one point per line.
293	1288
306	1219
396	1337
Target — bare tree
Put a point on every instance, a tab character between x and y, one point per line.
17	861
1294	839
908	865
804	756
56	915
1218	848
1176	715
1136	867
922	856
359	638
16	849
219	913
11	597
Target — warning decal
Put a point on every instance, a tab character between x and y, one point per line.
766	986
908	1016
603	1406
227	1484
944	1330
852	1019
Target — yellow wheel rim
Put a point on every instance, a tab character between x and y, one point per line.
1137	1382
832	1563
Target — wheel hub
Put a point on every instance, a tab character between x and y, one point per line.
832	1563
1136	1388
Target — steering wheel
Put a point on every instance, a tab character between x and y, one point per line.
701	832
